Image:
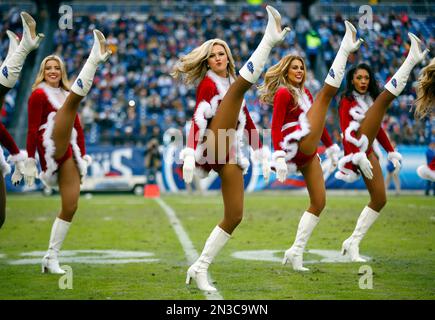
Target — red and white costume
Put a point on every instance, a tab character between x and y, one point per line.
352	111
15	154
290	125
43	105
211	90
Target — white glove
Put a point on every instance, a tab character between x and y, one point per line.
266	169
395	158
332	154
360	159
17	176
88	161
188	168
281	169
263	156
30	171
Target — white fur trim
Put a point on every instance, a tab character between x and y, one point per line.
49	176
357	113
344	173
56	97
394	155
289	140
206	111
187	152
334	149
426	173
362	143
349	177
278	154
261	154
357	157
21	156
5	168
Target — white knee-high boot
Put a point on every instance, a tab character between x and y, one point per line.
398	82
295	254
99	54
198	271
11	67
50	262
351	245
252	69
348	44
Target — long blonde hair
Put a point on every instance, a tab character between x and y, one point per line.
194	64
277	76
64	83
426	91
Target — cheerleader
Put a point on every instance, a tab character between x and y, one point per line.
360	120
424	107
10	71
55	132
361	91
298	124
220	108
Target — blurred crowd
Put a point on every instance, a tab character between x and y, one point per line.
134	98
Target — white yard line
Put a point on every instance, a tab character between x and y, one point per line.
186	243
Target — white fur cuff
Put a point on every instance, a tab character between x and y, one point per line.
21	156
394	155
278	154
334	149
346	177
187	152
357	157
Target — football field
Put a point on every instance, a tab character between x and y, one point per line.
128	247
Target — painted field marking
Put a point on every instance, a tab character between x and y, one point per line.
89	257
186	243
326	256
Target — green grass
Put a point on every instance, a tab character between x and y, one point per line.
401	244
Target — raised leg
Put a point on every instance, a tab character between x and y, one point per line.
373	117
64	119
228	111
317	114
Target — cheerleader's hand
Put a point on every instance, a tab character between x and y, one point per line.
366	168
266	169
17	176
332	153
188	168
88	161
30	171
395	158
281	169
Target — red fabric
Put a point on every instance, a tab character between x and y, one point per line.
346	104
39	107
206	91
285	111
7	141
432	164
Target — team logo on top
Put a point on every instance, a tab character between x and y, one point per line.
250	67
332	73
394	82
80	83
5	72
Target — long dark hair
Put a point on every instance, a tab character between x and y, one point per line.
373	88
